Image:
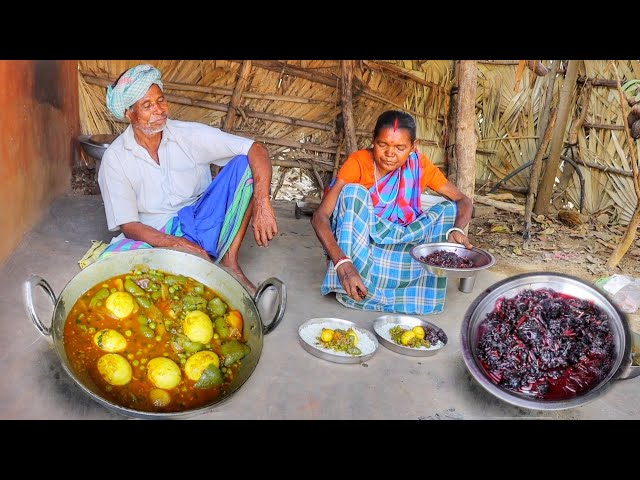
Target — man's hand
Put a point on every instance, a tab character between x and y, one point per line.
188	246
264	223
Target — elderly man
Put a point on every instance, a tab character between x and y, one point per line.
156	184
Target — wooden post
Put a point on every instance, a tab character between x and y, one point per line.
236	97
567	171
543	119
465	128
551	169
346	69
536	168
450	135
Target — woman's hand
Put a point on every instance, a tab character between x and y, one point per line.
457	237
351	281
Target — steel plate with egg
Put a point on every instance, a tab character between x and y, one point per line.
384	325
318	335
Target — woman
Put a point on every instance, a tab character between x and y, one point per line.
371	218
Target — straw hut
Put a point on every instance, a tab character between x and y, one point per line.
312	113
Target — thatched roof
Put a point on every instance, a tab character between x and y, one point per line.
294	106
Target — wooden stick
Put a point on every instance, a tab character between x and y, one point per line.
321	78
346	68
402	73
317	175
301	162
450	125
603	126
337	157
534	176
598	82
543	120
574	130
234	103
499	62
186	87
507	207
289	143
597	166
551	168
577	126
279	184
276	66
508	188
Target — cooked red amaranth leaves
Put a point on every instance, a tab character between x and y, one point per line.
550	345
443	258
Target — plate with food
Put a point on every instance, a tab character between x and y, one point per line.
337	340
409	335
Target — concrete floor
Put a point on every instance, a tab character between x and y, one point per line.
288	382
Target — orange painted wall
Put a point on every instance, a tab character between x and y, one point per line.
39	121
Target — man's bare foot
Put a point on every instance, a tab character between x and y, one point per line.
237	272
246	282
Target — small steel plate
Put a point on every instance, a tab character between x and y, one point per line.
327	354
406	321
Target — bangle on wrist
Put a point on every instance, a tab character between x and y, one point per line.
453	229
341	261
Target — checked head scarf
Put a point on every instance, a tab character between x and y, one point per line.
131	87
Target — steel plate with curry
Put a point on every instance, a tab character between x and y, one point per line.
154	341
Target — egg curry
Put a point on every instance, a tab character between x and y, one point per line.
155	342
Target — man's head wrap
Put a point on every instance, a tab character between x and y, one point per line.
131	87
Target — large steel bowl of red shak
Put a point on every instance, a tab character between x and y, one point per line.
620	366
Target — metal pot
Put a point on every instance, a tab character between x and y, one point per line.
210	274
484	304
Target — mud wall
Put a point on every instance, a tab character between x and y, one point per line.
38	124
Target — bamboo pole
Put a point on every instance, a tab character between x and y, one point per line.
289	143
632	228
604	168
337	157
603	126
234	103
301	162
402	73
507	207
543	120
465	128
346	69
598	82
534	176
280	67
509	188
187	87
551	168
322	78
450	130
567	171
279	184
221	107
499	62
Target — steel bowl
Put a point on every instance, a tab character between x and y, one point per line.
481	260
95	145
206	272
561	283
406	321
